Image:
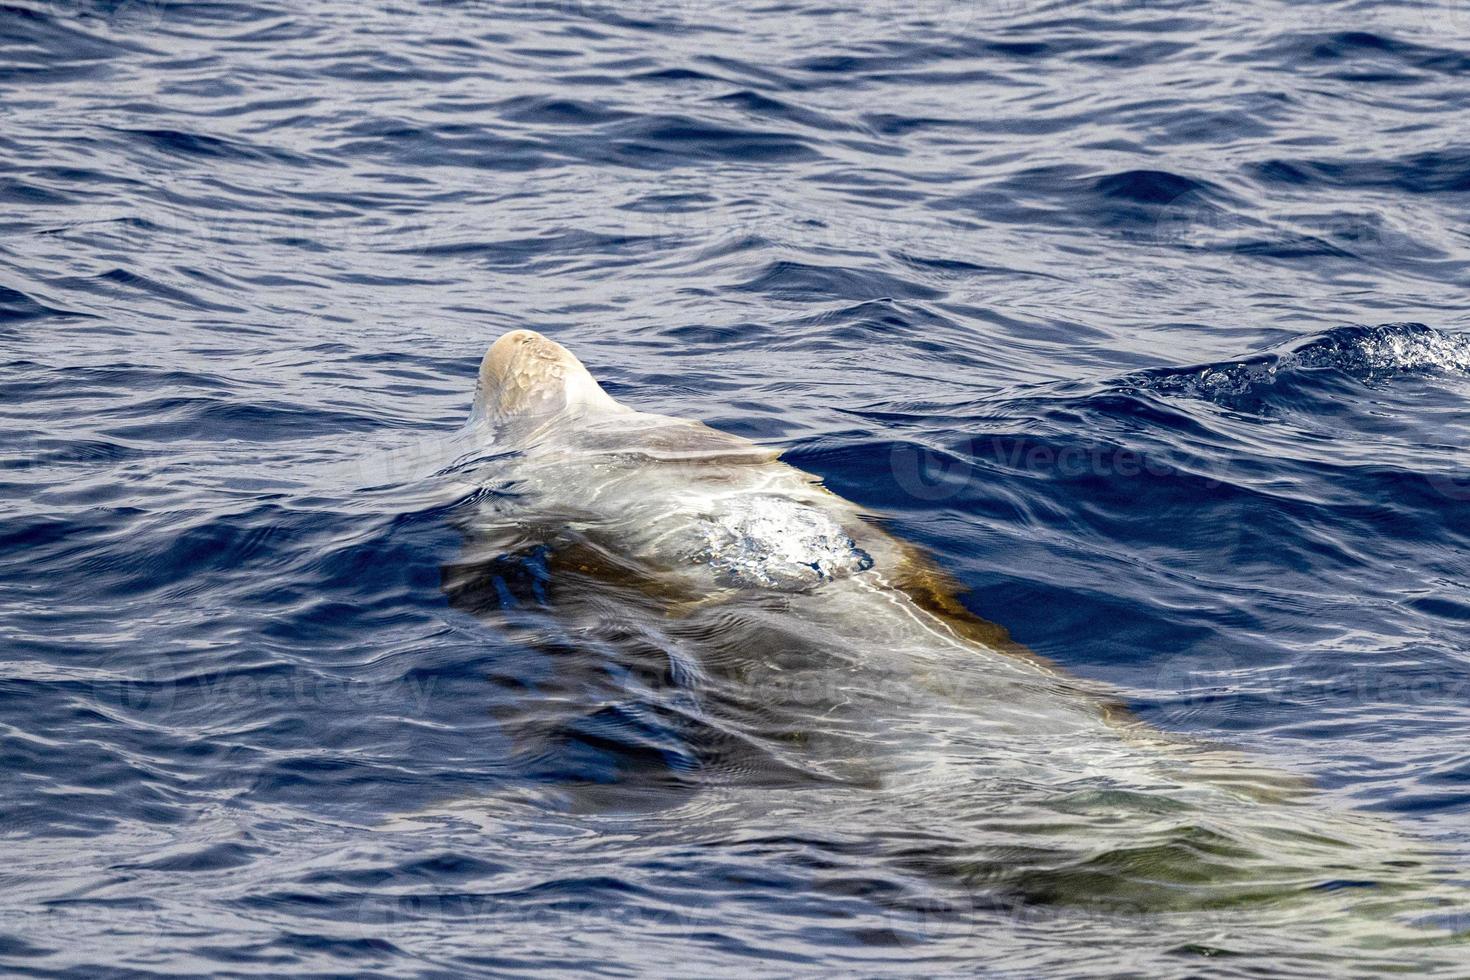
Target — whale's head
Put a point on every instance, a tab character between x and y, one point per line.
526	376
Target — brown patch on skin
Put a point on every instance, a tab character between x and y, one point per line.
936	592
585	561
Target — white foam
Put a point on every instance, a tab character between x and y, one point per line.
770	541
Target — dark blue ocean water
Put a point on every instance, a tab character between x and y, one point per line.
1141	317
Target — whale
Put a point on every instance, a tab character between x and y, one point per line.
745	645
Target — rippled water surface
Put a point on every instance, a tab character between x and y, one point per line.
1143	319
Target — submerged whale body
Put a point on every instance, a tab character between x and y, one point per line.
739	640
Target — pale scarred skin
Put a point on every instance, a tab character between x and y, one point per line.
526	374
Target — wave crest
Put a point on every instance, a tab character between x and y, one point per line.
1366	354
